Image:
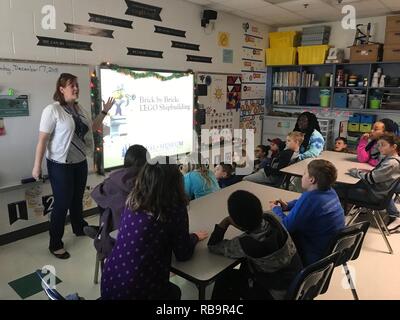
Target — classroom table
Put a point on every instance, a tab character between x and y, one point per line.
342	161
205	267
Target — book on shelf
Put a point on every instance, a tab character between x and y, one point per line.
286	79
284	97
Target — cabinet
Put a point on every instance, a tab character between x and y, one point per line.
350	87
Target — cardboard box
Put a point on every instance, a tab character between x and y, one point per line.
391	53
393	23
366	53
392	37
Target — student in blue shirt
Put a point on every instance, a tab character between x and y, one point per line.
317	216
199	181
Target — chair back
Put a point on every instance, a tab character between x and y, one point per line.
309	283
51	293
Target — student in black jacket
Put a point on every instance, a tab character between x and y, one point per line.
271	174
224	173
271	259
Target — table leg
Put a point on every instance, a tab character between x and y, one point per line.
202	291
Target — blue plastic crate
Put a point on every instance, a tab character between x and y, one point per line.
356	118
340	100
368	118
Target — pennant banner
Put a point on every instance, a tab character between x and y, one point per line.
88	31
110	21
170	32
186	46
199	59
142	10
64	43
145	53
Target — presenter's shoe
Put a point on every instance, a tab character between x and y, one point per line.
61	254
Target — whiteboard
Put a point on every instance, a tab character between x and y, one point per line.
38	81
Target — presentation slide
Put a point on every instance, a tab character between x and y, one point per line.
154	109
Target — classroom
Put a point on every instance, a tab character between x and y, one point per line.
199	150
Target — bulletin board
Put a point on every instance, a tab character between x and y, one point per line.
220	96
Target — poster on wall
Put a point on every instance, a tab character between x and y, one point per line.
224	39
145	53
254	77
170	31
199	59
64	43
143	10
234	90
227	56
117	22
253	123
185	46
253	66
89	31
253	91
252	107
252	53
14	106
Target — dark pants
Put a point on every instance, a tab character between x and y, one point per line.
234	285
357	192
174	292
68	182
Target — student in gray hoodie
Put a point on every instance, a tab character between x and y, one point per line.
270	259
375	184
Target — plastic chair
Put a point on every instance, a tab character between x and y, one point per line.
348	244
310	282
51	293
374	209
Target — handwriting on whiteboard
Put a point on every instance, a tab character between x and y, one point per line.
19	68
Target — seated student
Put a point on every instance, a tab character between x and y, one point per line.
375	184
114	190
261	157
271	174
199	181
341	145
225	175
276	146
314	142
271	257
317	215
154	224
367	149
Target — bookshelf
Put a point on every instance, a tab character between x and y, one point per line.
298	86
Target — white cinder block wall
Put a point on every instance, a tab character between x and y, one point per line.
20	22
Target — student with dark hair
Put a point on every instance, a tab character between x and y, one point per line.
367	149
114	190
375	184
314	142
225	175
66	138
316	217
270	257
341	145
261	157
154	225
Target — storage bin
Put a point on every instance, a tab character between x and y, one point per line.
281	56
317	29
355	118
284	39
355	127
356	101
340	100
367	119
313	54
365	127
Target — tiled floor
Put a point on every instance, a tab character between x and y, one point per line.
376	271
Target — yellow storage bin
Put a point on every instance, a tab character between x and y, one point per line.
354	127
281	56
365	127
313	54
284	39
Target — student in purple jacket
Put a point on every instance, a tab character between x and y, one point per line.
154	225
114	190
